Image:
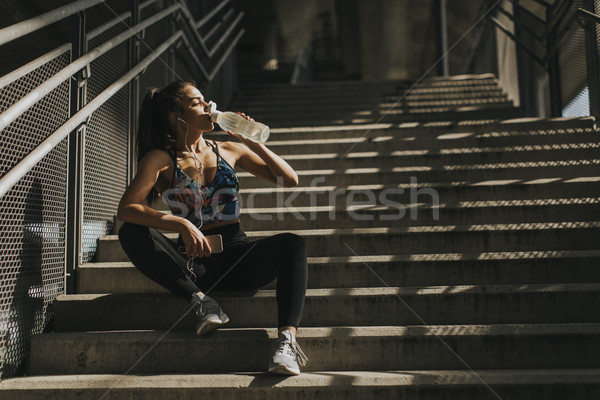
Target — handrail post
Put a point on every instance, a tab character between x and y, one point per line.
134	90
593	68
76	156
171	53
442	37
523	68
554	72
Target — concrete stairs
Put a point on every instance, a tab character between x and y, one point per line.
470	96
449	258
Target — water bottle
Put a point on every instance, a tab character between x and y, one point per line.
230	121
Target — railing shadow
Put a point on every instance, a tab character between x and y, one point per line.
27	301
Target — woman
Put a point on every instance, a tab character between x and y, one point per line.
196	179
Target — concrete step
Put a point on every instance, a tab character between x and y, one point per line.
472	93
445	157
517	384
334	105
339	348
379	102
417	130
524	170
365	91
421	215
438	305
367	87
411	194
387	144
362	95
476	112
528	267
387	94
422	239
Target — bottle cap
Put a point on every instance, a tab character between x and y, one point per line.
212	109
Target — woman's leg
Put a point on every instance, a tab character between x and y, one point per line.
257	263
157	257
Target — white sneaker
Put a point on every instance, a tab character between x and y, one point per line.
210	315
287	355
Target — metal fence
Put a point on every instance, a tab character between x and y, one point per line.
68	120
33	212
546	55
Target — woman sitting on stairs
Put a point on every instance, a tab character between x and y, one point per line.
196	179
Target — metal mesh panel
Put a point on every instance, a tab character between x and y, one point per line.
106	146
537	77
157	33
573	67
32	217
156	75
542	91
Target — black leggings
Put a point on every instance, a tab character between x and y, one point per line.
243	265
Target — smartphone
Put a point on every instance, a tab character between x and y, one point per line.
216	243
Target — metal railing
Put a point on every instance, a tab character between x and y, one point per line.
556	54
68	120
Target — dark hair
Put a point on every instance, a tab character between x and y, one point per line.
154	128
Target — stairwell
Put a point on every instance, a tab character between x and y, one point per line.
453	254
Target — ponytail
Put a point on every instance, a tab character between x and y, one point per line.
154	128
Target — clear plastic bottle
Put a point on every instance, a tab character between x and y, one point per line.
230	121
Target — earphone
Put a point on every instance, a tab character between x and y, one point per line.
197	162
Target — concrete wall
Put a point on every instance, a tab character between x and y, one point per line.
384	25
378	39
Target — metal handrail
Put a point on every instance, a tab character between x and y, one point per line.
211	14
510	16
36	155
589	15
16	110
29	100
528	11
147	3
211	75
103	28
558	15
543	3
226	54
187	16
33	65
217	26
228	32
561	35
28	26
517	40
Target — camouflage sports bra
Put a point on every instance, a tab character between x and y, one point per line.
204	205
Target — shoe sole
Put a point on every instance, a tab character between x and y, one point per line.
282	369
224	318
210	325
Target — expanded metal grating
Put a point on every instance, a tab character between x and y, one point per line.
32	217
573	67
106	145
33	213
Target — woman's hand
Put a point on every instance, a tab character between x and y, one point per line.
257	159
196	244
241	138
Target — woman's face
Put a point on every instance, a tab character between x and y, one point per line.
195	110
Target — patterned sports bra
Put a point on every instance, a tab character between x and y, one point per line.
205	205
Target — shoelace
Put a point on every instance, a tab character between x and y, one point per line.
188	265
293	349
206	307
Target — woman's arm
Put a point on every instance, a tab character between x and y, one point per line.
132	208
260	161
